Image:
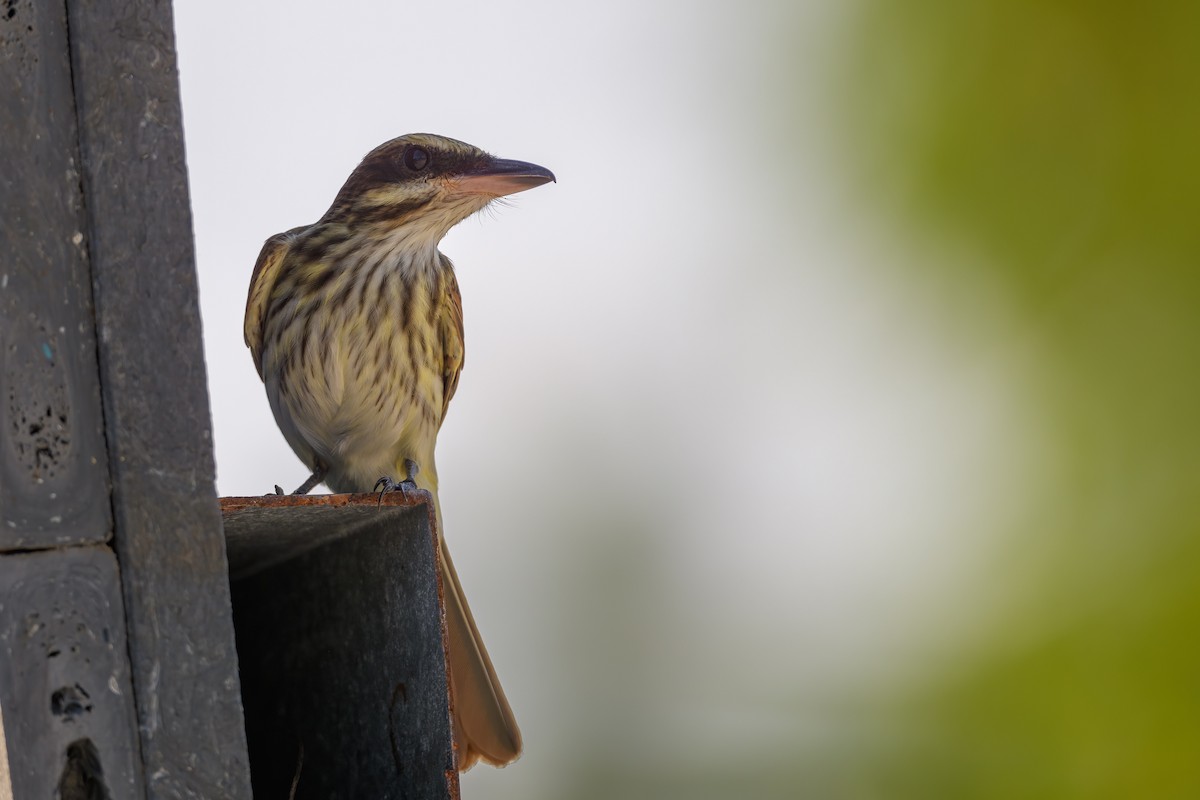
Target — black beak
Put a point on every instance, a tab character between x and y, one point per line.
501	176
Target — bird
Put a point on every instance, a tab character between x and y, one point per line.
355	326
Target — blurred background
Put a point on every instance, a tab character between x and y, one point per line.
830	429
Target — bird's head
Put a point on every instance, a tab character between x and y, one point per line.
427	184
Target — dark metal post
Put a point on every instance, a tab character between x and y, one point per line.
341	634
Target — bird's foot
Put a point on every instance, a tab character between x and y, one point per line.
386	484
318	475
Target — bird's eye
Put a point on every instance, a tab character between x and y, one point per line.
416	158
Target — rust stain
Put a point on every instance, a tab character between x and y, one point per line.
452	784
413	497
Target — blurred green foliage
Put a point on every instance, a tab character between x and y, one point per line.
1061	140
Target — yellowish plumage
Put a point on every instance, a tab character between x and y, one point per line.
355	326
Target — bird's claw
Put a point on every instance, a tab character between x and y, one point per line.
386	484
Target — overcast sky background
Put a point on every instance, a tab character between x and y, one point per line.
688	478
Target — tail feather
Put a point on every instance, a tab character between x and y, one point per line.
484	726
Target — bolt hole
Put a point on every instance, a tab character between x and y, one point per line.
70	702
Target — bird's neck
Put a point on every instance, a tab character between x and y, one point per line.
408	251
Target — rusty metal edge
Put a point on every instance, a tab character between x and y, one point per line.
391	499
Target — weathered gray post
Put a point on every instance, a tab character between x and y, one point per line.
115	669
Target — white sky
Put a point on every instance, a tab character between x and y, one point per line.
693	345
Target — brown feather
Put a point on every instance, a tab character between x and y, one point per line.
266	271
453	344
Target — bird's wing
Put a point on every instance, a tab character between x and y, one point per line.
451	334
266	273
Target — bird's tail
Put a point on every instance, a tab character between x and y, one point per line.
484	726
